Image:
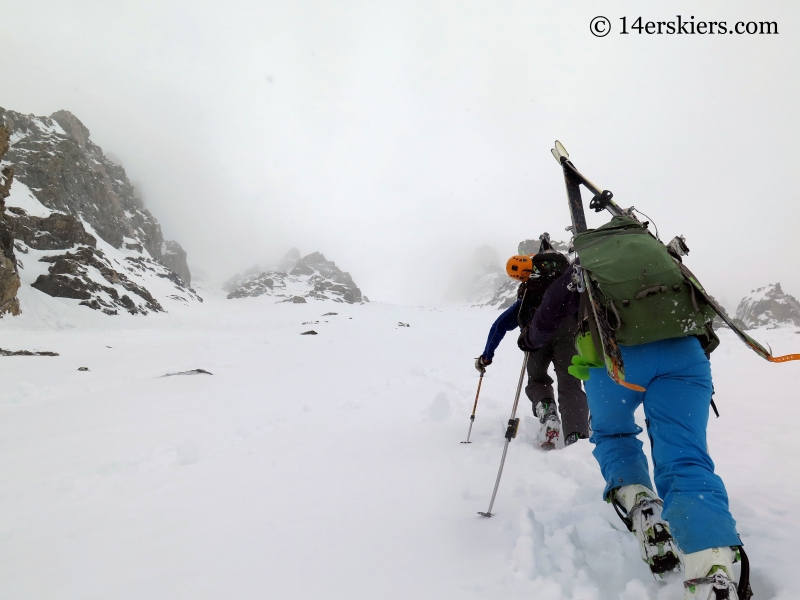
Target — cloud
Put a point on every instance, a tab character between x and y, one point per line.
390	135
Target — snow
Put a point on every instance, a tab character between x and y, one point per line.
22	197
330	466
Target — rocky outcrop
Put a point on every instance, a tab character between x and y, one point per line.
174	258
312	277
57	231
769	306
9	276
68	277
69	174
69	196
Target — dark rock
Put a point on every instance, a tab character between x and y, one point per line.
60	286
174	258
26	353
192	372
83	368
298	300
309	332
68	277
55	232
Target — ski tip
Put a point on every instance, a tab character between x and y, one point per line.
785	358
485	514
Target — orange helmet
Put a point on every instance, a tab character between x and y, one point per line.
519	267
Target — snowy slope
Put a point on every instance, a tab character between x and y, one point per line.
330	466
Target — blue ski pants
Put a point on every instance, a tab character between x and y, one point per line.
676	375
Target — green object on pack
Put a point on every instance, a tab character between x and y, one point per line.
640	286
580	367
587	357
587	350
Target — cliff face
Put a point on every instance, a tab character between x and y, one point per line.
9	276
68	196
68	173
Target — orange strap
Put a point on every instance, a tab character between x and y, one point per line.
623	383
785	358
631	386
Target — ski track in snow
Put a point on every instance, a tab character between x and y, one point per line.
330	466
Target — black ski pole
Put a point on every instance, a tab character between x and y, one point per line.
511	433
474	407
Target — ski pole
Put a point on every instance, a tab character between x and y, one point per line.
511	433
474	407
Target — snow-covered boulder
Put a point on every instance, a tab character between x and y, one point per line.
769	306
313	276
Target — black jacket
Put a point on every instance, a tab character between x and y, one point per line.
558	303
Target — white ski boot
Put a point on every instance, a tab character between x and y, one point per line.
545	410
709	575
643	517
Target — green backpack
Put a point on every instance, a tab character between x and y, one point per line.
640	286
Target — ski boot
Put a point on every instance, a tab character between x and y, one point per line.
545	410
572	438
709	575
642	516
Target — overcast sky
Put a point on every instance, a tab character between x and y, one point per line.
397	137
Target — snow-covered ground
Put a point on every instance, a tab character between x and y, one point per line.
330	466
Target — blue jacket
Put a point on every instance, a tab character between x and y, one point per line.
508	321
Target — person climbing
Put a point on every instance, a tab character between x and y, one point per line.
536	273
629	288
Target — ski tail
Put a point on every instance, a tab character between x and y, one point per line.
749	342
615	366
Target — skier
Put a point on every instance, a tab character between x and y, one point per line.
536	274
671	377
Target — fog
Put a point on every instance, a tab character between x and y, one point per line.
399	137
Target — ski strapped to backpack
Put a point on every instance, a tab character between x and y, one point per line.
635	289
608	348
